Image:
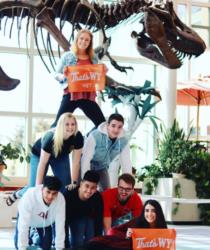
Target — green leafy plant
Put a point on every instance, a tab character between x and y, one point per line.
200	174
176	154
10	151
149	175
178	194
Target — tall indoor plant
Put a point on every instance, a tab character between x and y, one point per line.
176	154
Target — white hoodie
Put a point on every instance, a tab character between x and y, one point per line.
90	146
33	212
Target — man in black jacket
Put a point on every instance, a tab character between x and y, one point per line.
84	211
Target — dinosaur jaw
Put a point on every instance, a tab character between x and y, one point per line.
184	41
187	40
153	44
165	39
163	55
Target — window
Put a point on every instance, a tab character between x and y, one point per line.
198	14
29	110
200	22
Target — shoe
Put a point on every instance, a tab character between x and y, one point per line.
11	199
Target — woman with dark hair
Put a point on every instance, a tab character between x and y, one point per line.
119	238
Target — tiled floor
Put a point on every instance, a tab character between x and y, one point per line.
6	238
193	237
188	238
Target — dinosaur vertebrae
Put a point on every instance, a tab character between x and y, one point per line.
111	14
164	38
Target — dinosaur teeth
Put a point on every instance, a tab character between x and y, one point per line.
173	49
181	55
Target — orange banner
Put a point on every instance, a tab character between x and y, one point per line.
154	239
85	78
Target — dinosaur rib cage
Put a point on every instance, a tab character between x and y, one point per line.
164	38
80	14
111	15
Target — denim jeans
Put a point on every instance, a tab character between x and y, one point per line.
34	161
104	182
81	230
60	168
45	237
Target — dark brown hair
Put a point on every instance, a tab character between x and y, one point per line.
160	219
117	117
128	178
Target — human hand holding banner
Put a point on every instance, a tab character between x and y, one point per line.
154	239
85	78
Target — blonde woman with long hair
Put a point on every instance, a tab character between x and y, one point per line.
53	149
81	54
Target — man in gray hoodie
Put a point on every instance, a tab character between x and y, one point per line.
104	145
39	208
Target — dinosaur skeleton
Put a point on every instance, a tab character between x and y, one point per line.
164	38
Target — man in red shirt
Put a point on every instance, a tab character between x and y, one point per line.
121	201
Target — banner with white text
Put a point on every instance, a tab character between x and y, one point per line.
154	239
85	78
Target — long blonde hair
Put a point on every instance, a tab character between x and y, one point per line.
59	132
89	50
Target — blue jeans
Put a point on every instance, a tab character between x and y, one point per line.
81	230
45	237
104	182
60	168
34	161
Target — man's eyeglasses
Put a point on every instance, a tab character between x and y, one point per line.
127	190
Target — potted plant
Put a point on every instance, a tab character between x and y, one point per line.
11	151
176	154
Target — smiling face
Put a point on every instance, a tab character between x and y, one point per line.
69	127
83	41
114	128
87	189
125	190
150	215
